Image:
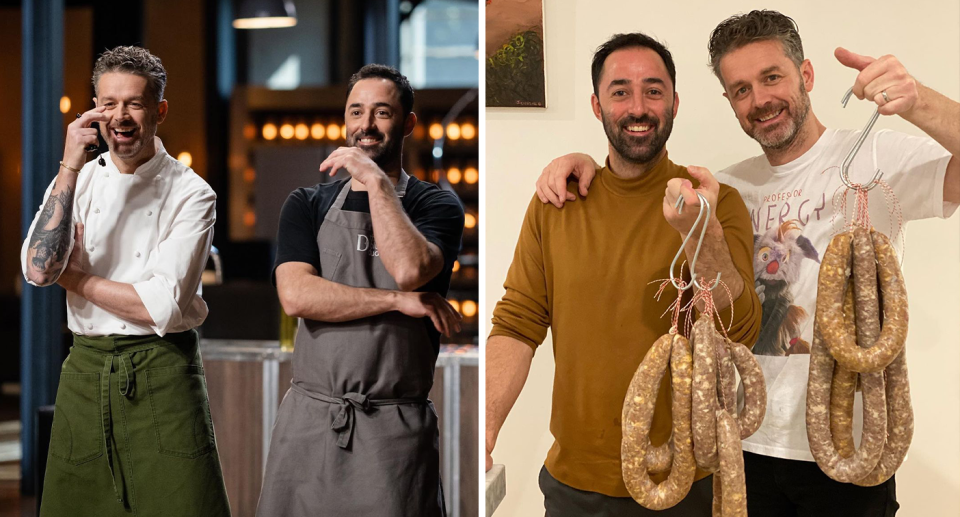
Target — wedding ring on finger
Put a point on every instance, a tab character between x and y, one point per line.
885	98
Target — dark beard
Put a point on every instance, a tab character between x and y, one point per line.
626	145
388	150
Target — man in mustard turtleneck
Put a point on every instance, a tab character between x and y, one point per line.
586	272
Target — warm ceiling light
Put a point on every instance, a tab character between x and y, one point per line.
471	175
301	131
249	175
185	158
343	131
436	131
453	132
64	104
467	131
469	220
453	175
286	131
419	132
249	218
455	304
333	132
469	308
456	266
317	131
269	131
265	14
249	131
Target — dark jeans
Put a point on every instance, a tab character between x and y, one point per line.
790	488
564	501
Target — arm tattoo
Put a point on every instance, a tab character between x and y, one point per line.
53	243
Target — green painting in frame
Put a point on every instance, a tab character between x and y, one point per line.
514	53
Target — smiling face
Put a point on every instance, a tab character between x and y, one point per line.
768	92
636	103
375	120
134	114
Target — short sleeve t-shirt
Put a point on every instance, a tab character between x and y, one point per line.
436	213
796	209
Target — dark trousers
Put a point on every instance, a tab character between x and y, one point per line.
564	501
790	488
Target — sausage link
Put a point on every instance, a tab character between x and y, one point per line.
659	458
866	299
843	389
754	389
862	462
717	496
704	402
639	418
899	423
727	378
834	270
732	478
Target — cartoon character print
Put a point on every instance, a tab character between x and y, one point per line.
778	254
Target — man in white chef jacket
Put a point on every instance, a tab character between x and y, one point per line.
127	236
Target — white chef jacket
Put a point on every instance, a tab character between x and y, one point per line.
151	229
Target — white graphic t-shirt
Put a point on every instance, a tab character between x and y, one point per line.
794	216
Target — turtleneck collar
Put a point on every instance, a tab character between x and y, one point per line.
652	181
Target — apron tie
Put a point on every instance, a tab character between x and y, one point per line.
344	422
105	417
127	381
346	418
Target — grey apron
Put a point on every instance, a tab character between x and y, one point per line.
355	434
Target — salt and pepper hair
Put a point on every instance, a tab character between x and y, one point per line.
743	29
136	61
375	71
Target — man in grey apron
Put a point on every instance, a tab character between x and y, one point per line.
365	263
127	236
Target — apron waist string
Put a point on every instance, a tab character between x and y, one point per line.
345	420
125	388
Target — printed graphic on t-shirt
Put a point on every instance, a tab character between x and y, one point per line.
781	251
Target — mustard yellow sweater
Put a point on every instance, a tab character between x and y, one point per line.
585	272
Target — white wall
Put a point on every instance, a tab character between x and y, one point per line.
924	34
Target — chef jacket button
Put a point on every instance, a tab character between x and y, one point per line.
123	325
96	210
105	175
149	212
91	248
137	254
89	326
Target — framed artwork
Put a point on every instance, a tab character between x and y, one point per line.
514	53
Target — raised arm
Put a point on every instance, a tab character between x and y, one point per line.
714	253
406	254
48	240
552	183
935	114
727	249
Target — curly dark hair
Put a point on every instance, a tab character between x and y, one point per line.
385	72
631	40
739	30
133	60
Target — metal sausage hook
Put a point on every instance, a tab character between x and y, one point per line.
704	208
845	167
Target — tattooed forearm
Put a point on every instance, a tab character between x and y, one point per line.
50	239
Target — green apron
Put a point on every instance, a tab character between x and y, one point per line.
132	433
